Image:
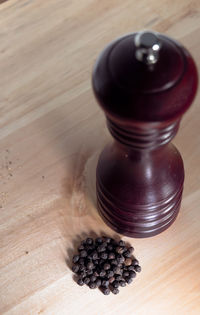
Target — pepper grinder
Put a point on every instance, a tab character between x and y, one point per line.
144	82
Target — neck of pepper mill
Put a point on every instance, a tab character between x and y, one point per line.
143	137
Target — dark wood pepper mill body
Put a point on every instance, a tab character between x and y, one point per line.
144	93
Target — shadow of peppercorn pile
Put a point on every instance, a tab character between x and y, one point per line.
74	185
103	262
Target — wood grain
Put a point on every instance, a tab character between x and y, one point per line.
51	134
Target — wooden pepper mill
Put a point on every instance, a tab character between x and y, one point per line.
144	82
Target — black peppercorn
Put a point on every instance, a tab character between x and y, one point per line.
81	247
120	259
115	284
128	262
93	278
102	273
106	266
80	282
128	280
118	278
111	279
98	282
94	255
90	265
76	259
110	247
131	268
131	249
96	274
115	290
127	254
89	272
98	240
82	268
138	268
83	253
111	256
98	268
86	280
81	261
92	285
122	283
104	255
125	274
106	291
89	248
89	241
105	283
132	274
114	262
106	239
109	274
121	243
119	250
75	268
89	257
82	274
101	248
117	270
135	262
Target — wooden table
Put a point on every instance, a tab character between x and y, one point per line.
51	134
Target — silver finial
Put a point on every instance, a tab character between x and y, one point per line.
148	47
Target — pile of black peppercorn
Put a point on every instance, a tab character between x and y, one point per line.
105	263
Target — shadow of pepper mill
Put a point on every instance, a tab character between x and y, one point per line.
144	82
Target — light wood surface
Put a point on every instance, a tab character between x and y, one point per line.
52	132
